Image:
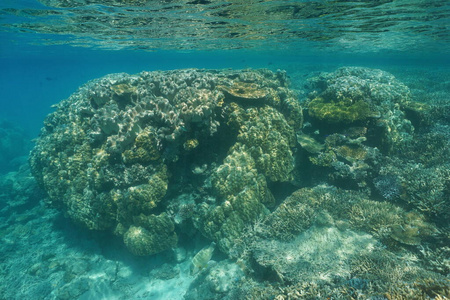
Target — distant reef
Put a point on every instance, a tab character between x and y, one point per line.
14	146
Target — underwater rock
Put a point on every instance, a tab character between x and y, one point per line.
217	282
14	144
109	155
19	189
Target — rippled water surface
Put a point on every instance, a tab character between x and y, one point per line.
355	26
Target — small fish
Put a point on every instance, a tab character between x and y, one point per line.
201	259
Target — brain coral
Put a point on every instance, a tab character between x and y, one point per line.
107	155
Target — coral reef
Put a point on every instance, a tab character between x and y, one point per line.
218	282
422	173
109	154
337	243
345	110
387	186
349	161
370	98
150	234
215	174
355	117
329	206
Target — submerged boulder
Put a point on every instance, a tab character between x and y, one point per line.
108	155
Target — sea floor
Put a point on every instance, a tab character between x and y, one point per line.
45	256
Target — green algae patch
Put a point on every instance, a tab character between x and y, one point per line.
344	111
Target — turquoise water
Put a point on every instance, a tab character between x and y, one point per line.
261	150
